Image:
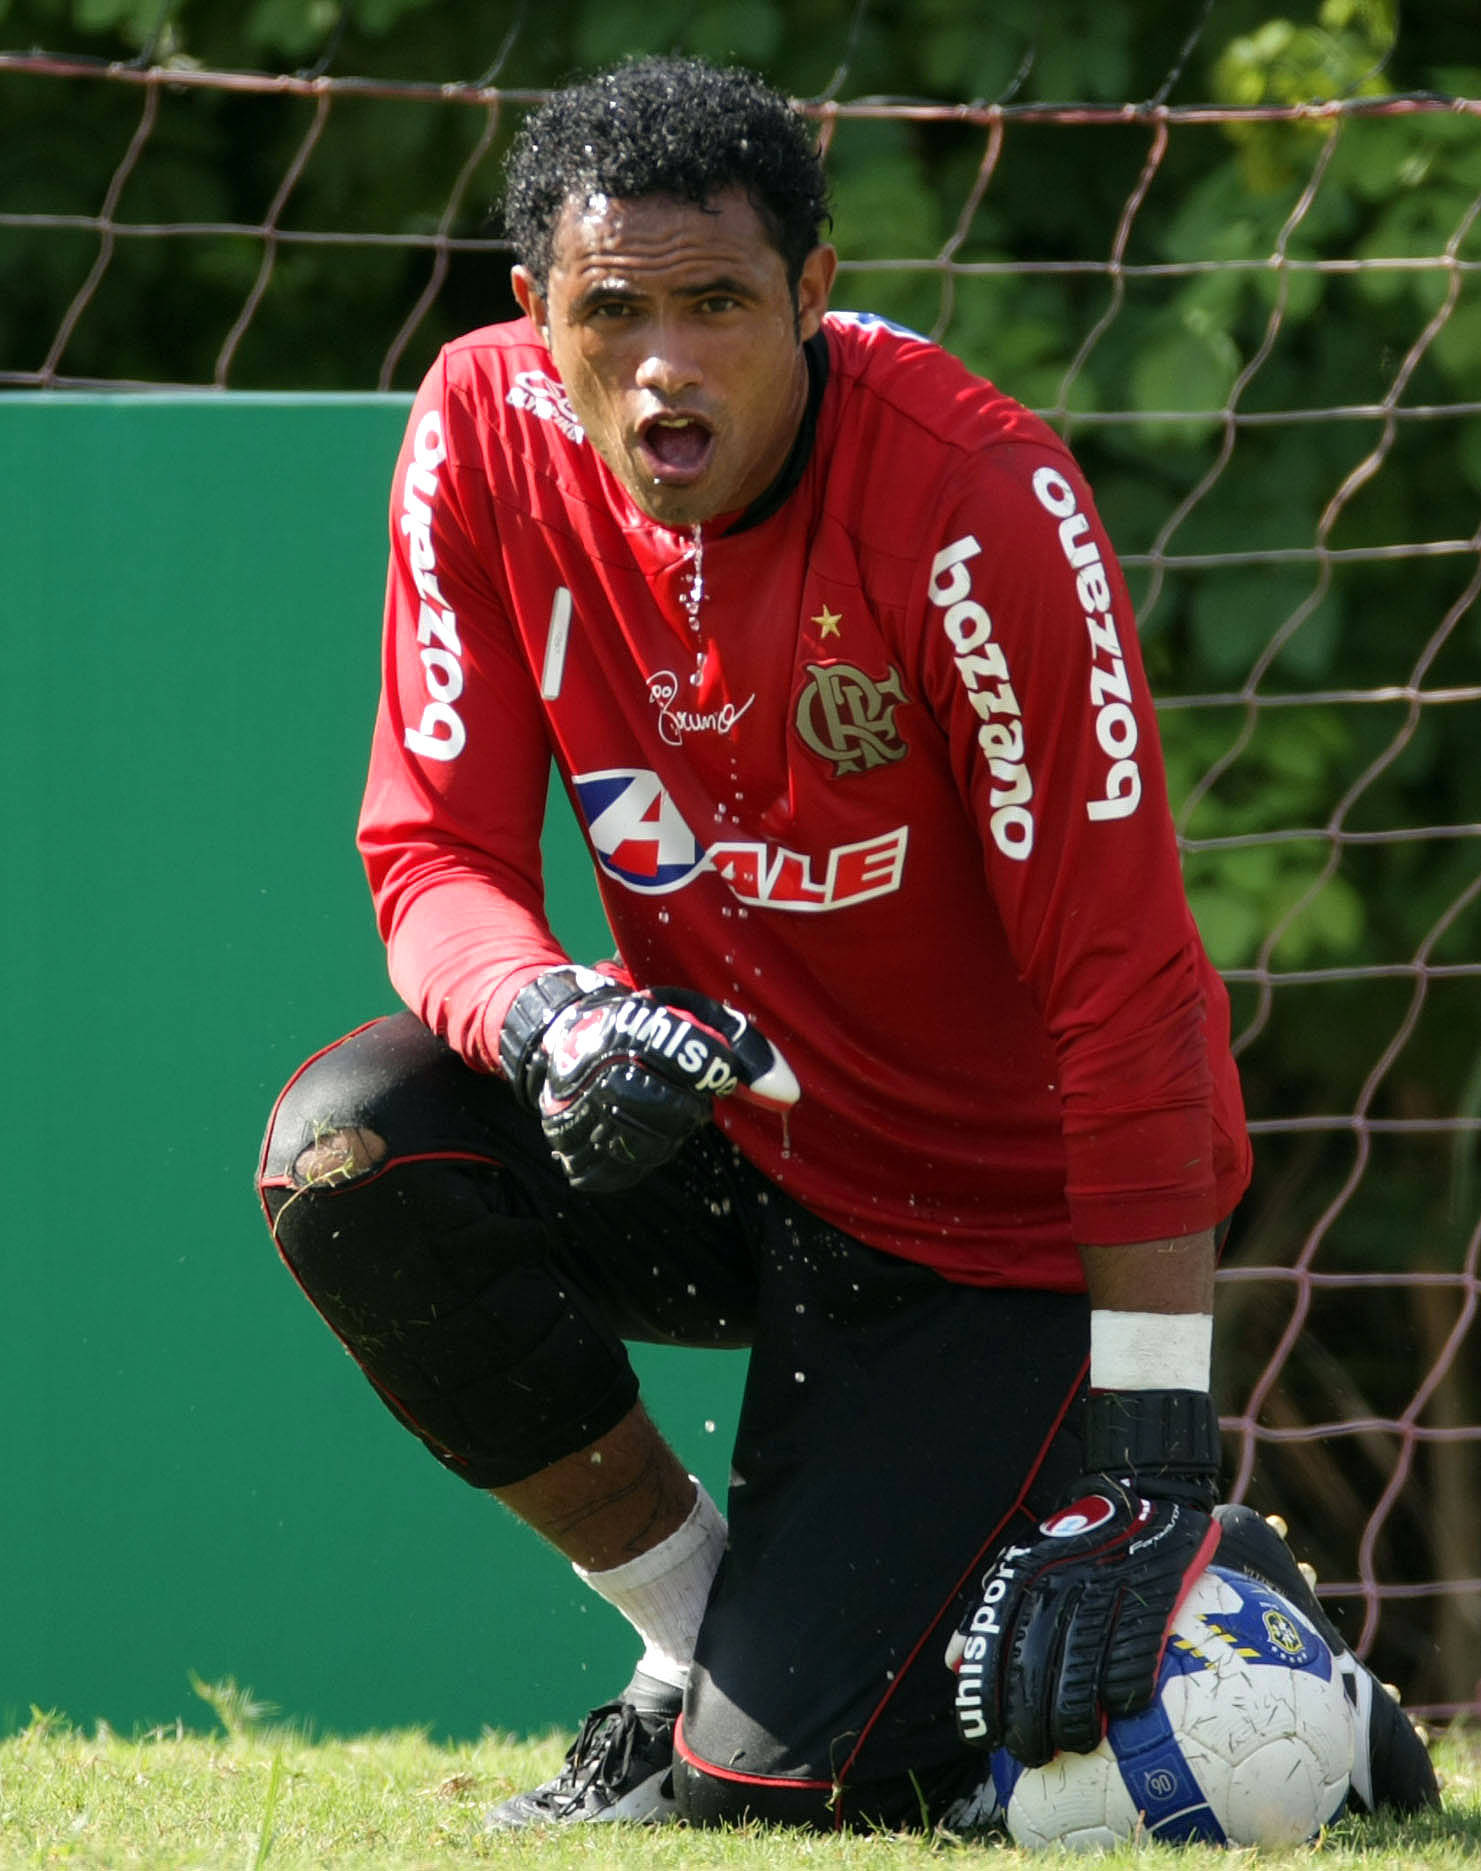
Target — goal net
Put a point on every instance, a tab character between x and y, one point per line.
1257	320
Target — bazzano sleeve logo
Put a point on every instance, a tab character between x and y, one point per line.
642	842
440	733
984	673
1110	690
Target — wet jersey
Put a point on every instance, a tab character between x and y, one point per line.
876	764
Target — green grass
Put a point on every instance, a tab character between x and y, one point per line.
256	1796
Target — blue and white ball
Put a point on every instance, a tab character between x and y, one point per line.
1250	1740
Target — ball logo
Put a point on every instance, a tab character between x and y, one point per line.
1083	1516
1283	1634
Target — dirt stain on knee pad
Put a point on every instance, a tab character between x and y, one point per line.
338	1154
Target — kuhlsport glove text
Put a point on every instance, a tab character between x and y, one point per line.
620	1078
1070	1624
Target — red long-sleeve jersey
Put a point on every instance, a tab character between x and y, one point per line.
879	767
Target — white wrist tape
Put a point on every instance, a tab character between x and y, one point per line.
1150	1350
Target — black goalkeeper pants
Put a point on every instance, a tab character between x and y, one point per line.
895	1426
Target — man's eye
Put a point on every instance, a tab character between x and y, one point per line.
719	302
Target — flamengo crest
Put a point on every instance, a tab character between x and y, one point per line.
849	718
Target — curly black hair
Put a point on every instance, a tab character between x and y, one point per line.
665	126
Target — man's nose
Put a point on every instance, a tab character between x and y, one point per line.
670	366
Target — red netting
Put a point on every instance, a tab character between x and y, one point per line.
1323	759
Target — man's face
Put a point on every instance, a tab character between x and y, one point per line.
675	334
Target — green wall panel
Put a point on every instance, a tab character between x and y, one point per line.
195	1477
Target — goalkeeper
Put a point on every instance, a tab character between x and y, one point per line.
910	1072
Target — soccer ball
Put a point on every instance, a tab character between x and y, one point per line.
1249	1742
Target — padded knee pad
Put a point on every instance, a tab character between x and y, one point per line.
428	1260
391	1087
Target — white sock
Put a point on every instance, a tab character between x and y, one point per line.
663	1592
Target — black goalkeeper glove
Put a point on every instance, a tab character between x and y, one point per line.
620	1078
1069	1628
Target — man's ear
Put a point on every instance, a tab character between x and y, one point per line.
813	289
530	299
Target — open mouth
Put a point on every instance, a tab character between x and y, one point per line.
676	448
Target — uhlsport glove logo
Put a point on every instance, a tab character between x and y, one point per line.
663	1037
662	1033
1082	1516
969	1648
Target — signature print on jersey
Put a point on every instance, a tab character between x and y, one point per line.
675	723
641	840
849	718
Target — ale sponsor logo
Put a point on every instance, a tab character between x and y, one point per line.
641	840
